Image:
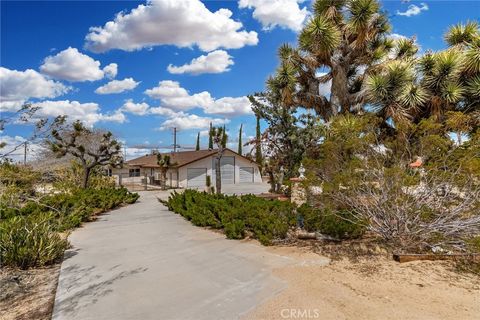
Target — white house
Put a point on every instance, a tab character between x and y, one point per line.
190	169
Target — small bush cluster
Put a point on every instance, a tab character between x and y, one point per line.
266	220
337	224
29	234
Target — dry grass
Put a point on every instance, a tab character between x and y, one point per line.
28	294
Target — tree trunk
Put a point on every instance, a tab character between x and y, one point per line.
218	174
86	176
164	180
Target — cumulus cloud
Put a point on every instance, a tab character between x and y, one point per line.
135	108
217	61
72	65
18	86
183	23
173	96
229	106
111	70
413	10
89	113
282	13
117	86
191	121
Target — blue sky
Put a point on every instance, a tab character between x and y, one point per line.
237	39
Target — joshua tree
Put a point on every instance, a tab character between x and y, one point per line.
240	140
343	41
92	148
164	161
219	137
197	147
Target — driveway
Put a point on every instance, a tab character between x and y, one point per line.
238	189
144	262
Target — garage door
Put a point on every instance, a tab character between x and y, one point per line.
227	170
196	177
246	174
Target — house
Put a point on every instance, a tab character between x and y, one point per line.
190	169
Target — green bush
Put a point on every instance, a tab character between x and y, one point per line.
30	241
335	223
29	235
265	219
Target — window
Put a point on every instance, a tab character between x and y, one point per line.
134	172
108	172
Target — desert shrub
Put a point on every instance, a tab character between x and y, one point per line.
70	179
337	223
235	229
30	241
267	220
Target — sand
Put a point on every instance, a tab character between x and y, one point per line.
370	288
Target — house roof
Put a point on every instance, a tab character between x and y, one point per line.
178	159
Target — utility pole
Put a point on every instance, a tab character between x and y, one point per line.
174	139
125	152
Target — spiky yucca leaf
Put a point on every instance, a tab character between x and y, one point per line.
473	87
452	92
406	48
462	33
413	96
378	88
328	8
472	58
319	36
426	63
361	13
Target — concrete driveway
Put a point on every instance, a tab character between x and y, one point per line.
144	262
239	189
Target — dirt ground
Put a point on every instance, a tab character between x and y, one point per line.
374	287
28	294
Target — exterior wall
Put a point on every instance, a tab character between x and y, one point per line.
203	163
208	163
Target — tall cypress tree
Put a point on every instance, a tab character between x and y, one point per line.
210	137
258	147
197	147
240	139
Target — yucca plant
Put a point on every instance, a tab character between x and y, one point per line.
30	242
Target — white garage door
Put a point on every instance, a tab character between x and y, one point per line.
246	174
196	177
227	169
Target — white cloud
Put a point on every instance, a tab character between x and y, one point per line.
191	121
177	98
117	86
89	113
282	13
18	86
217	61
72	65
173	96
111	70
183	23
135	108
161	111
413	10
397	36
229	106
